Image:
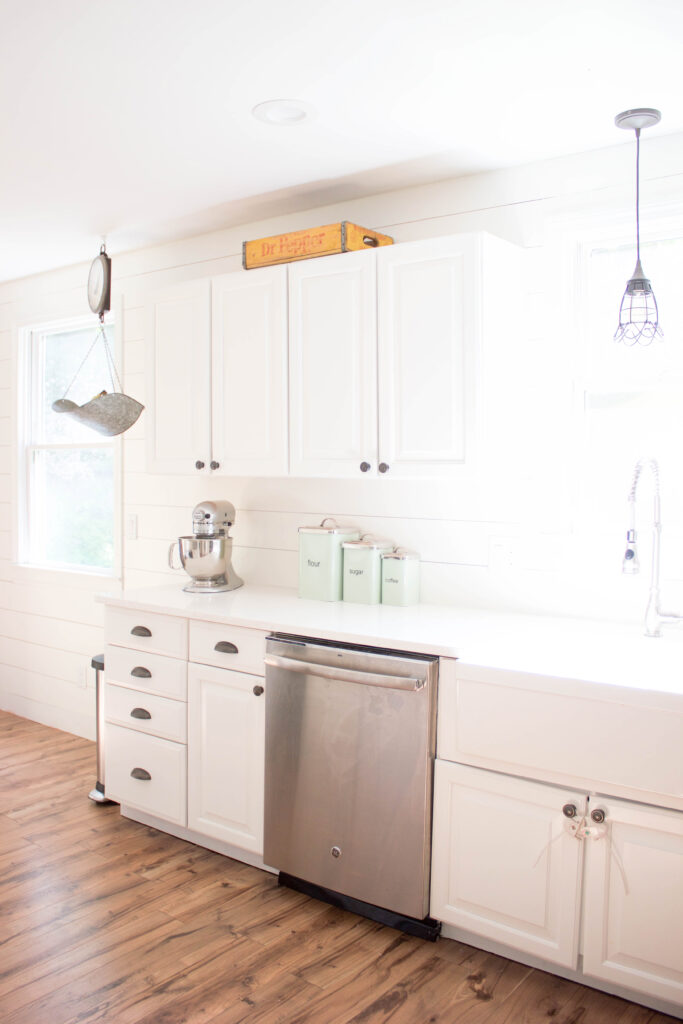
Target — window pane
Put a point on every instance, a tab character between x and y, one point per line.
61	354
632	394
72	501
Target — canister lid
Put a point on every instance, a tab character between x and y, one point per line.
402	554
346	531
368	541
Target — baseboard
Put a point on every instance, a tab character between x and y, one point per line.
79	723
461	935
180	832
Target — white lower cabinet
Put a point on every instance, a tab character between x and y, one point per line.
502	865
505	868
633	900
226	743
146	773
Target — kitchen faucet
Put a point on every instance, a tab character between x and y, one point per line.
655	618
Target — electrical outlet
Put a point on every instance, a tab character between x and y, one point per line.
131	526
501	553
83	675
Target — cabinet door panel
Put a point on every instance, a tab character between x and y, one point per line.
333	373
249	378
426	315
226	737
178	417
502	865
633	913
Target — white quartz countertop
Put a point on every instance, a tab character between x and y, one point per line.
576	649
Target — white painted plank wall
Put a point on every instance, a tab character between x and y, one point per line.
512	548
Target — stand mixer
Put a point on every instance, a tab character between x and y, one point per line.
207	555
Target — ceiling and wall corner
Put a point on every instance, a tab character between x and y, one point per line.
133	121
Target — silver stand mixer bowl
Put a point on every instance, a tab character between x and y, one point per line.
208	560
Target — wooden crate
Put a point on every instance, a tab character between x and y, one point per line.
304	245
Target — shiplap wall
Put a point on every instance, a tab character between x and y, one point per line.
510	544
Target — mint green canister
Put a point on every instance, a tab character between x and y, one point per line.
363	569
400	577
320	560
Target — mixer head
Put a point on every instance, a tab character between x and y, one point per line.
212	518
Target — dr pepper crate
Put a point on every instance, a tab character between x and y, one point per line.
305	245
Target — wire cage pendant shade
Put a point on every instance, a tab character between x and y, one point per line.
638	313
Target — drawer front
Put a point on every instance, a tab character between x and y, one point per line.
146	712
129	754
151	673
228	647
146	631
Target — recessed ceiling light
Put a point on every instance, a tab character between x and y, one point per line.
283	112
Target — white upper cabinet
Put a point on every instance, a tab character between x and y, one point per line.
361	364
426	326
249	372
178	420
333	366
217	363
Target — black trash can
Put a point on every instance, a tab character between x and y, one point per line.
97	794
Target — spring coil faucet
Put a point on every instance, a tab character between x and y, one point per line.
655	618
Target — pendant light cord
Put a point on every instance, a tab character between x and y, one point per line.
638	194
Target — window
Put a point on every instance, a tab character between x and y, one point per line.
632	395
66	470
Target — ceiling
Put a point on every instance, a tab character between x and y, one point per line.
131	120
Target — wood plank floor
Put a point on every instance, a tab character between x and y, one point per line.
105	920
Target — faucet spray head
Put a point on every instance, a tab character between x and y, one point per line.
630	564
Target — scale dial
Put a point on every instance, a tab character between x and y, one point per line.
99	284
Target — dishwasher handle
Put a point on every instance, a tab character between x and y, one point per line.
344	675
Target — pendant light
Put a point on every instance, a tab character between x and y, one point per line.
638	314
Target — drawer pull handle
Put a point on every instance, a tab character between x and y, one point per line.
598	815
140	773
224	647
140	713
258	690
140	631
141	673
569	810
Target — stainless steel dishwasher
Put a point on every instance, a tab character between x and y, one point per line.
350	740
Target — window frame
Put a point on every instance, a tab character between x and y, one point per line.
25	399
606	222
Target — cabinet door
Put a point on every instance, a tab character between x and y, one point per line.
502	865
332	365
249	372
633	908
178	418
428	331
226	729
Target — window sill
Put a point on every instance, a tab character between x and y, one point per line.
37	574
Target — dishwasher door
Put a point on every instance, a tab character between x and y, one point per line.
350	738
